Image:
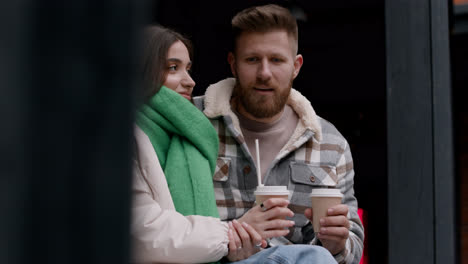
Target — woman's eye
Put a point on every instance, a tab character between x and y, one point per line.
173	68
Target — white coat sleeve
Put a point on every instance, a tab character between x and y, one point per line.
161	234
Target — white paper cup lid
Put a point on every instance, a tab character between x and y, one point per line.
271	190
325	192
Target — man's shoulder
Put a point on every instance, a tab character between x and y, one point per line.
199	102
329	132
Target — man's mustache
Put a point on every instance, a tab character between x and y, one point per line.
263	83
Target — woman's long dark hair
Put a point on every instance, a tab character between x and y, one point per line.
157	41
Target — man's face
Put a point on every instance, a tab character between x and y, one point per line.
265	65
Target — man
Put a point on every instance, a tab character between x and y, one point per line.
298	149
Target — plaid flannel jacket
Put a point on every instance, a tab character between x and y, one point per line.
317	155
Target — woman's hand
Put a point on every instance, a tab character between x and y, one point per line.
269	220
244	241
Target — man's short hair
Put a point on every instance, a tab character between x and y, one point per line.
264	19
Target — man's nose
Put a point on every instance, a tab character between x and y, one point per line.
264	70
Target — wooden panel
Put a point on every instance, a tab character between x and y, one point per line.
444	171
65	142
420	148
409	112
13	180
462	158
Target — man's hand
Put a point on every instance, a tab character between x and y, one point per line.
270	221
334	228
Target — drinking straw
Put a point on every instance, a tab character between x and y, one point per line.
259	171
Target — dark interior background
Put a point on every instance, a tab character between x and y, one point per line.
343	44
459	64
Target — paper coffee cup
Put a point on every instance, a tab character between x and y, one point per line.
322	200
263	193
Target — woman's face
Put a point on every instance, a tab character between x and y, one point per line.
178	66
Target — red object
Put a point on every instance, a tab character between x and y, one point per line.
460	2
363	216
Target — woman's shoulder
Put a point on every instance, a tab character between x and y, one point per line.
145	155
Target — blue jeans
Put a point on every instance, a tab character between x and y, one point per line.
290	254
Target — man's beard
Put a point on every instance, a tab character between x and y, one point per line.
262	106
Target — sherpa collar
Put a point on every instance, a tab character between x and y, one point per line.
217	103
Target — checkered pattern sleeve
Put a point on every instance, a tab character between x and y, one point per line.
354	245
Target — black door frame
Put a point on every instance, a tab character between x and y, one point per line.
421	197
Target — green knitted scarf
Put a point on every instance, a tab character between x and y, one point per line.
187	147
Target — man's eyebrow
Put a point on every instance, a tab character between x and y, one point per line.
278	55
254	53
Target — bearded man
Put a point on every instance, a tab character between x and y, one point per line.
298	149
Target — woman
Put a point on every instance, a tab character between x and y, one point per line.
175	218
